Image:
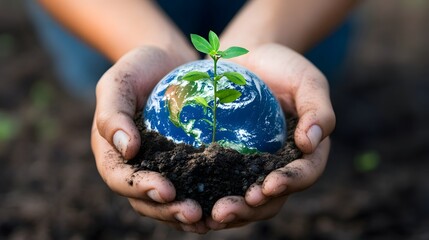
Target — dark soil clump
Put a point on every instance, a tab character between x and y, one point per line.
208	173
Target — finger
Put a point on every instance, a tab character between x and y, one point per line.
187	212
232	211
199	227
185	215
299	174
215	225
116	107
315	112
254	196
123	178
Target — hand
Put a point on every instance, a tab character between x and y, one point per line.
121	92
303	91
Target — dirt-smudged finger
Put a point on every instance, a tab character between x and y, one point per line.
186	212
299	174
123	179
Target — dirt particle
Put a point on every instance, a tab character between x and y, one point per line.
130	181
292	172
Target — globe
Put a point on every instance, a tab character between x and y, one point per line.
252	123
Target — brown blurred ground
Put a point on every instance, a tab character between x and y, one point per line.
375	185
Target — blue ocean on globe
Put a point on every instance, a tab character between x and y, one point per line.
253	123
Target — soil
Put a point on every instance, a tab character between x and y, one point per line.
207	174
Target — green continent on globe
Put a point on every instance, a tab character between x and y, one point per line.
179	96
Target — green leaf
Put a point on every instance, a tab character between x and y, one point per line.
201	44
201	101
195	75
233	52
214	41
236	78
228	95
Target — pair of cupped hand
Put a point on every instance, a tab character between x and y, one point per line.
123	90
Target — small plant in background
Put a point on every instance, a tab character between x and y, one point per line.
367	161
219	96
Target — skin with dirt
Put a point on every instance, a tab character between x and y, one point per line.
208	173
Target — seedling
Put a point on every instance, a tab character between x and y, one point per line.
219	96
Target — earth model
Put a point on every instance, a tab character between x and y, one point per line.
252	123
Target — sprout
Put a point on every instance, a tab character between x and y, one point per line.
219	96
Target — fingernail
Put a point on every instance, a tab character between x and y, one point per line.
228	219
179	217
121	140
314	134
154	195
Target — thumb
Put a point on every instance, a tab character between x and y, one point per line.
315	112
115	111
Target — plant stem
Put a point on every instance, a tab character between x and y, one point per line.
215	59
